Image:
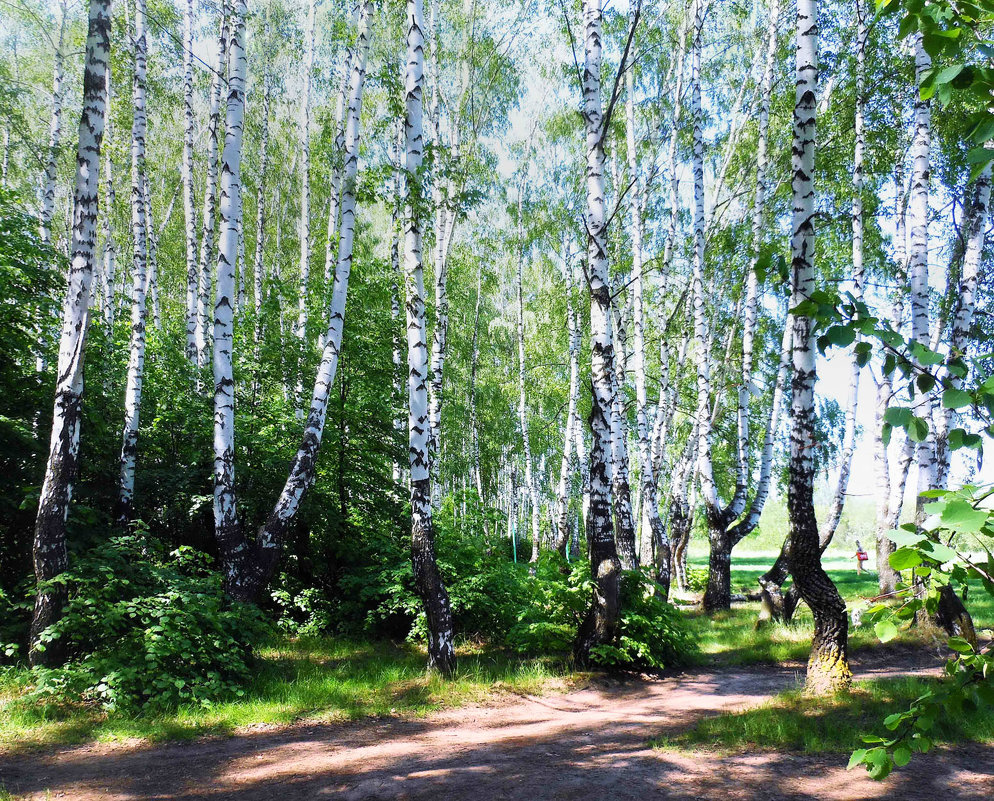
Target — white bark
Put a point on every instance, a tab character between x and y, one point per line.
49	550
202	333
51	174
189	200
139	290
259	268
226	523
918	250
304	226
428	582
108	273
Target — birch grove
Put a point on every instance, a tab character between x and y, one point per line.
623	311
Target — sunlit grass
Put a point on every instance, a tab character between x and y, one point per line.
793	721
322	679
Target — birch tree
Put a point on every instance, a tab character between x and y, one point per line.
202	332
828	666
600	625
189	200
427	580
50	554
51	174
139	289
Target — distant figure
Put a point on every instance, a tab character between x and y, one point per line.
861	556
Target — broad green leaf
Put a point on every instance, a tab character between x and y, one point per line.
955	399
903	558
902	756
961	517
885	630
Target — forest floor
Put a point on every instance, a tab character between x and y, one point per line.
591	740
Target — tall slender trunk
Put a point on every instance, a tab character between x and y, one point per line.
561	516
600	626
107	274
189	199
427	579
396	302
624	516
202	333
250	568
227	528
975	225
530	487
304	226
918	250
828	667
139	289
51	174
474	433
50	555
259	268
647	477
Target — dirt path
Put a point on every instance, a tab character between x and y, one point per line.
552	747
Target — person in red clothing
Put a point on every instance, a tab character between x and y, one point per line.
861	556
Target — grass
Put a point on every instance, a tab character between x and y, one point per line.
325	679
792	721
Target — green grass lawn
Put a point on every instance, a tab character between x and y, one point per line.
322	679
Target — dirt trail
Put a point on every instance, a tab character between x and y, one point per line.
551	747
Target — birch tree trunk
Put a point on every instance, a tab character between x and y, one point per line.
227	528
249	569
305	209
51	175
189	199
395	305
259	267
828	667
139	289
624	517
647	477
202	332
918	250
600	626
50	555
474	433
522	401
975	225
427	579
107	274
561	516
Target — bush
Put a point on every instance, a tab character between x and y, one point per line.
149	630
652	633
697	579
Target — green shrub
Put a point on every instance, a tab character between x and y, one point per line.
652	633
146	629
697	579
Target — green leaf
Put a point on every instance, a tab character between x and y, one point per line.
903	558
940	552
948	73
885	630
897	416
917	429
856	758
959	645
961	517
955	399
902	755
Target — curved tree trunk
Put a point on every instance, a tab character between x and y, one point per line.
828	666
50	555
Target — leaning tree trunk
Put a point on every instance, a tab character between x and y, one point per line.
600	626
427	578
249	569
51	174
202	331
139	291
50	555
828	666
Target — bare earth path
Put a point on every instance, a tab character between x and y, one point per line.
551	747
